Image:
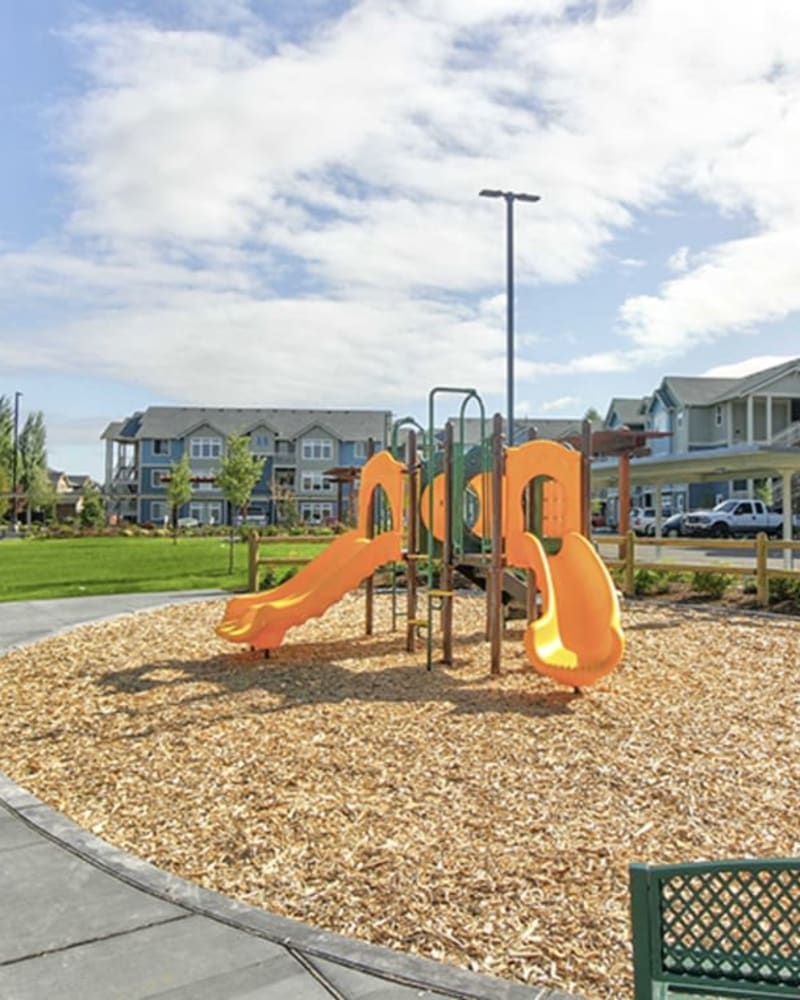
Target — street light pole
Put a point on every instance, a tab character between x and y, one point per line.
510	198
14	454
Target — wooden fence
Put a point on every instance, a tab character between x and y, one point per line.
630	558
255	559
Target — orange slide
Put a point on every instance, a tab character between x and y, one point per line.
578	638
262	619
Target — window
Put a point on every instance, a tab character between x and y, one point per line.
205	447
155	479
360	449
317	450
718	416
206	513
259	443
679	418
316	512
157	511
744	508
204	483
160	446
315	482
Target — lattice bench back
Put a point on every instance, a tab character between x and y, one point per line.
728	928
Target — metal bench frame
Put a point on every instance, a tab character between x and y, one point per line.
716	929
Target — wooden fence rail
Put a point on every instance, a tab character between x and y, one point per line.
761	546
254	559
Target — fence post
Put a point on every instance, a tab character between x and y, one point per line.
762	582
630	542
252	562
640	927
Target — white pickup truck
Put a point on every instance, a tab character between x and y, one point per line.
733	518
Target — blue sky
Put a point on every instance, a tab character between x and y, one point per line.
230	203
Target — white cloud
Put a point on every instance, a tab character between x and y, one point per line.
679	261
560	404
303	215
749	366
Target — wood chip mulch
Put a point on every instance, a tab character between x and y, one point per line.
486	821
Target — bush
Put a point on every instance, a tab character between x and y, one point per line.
711	584
781	590
651	581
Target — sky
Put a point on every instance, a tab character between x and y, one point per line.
274	203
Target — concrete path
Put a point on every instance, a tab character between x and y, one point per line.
80	920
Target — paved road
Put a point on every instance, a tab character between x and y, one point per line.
80	920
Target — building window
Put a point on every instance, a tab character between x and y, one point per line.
205	447
160	446
206	513
718	416
155	479
157	511
360	449
317	450
316	512
315	482
259	444
679	418
203	483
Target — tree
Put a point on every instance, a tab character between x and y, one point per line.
179	490
40	493
6	453
33	461
593	416
237	477
93	508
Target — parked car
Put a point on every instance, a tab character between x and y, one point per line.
673	526
733	518
643	519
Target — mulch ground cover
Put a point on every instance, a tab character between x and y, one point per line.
486	821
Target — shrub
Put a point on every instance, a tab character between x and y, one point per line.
781	589
711	584
651	581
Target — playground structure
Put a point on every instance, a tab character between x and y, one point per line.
514	519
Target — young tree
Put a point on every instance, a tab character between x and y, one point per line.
33	461
593	416
179	490
6	453
237	477
41	494
93	508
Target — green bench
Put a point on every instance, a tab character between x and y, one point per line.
716	929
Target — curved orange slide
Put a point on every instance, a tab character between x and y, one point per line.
262	619
578	637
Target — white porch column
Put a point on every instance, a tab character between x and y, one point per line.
750	419
768	404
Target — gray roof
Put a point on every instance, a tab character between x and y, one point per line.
706	391
696	390
631	411
550	428
754	382
171	422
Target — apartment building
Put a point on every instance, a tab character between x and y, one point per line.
299	447
729	416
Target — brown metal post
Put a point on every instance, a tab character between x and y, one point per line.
624	499
252	563
762	554
369	585
530	575
413	543
495	590
447	574
586	478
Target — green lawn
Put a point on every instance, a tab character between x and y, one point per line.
73	567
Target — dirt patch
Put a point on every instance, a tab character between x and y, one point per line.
486	821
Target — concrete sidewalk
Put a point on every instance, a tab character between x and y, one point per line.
80	920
